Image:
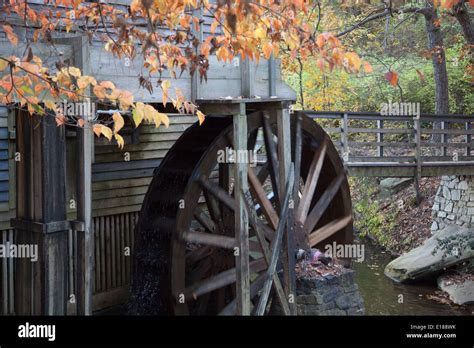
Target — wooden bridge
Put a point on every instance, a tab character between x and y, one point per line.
378	145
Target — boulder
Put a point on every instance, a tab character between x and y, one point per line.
389	186
447	247
460	291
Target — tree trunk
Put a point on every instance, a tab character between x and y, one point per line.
462	15
436	46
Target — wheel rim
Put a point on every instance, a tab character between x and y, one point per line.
202	259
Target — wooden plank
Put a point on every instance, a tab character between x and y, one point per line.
120	156
276	246
418	161
258	228
381	130
120	184
103	252
209	239
382	143
328	230
323	202
380	137
311	182
117	202
220	280
157	145
241	218
5	278
272	156
259	193
125	192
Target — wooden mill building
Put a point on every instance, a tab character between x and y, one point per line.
31	184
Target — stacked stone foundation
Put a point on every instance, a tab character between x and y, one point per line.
454	203
329	295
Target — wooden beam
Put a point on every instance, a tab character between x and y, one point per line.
209	239
276	246
241	218
323	202
41	287
311	182
262	199
328	230
257	227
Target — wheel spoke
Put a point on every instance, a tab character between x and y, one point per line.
272	156
209	239
220	280
254	289
297	161
323	202
218	193
276	246
204	220
198	254
256	225
328	230
311	182
258	191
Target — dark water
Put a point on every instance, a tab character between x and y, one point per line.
381	294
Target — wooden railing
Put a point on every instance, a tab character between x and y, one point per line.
372	144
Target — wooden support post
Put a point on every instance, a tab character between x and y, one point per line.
272	72
195	78
380	138
247	78
417	127
444	139
468	138
85	239
284	154
345	138
241	218
41	286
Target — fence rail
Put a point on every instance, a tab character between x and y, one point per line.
373	144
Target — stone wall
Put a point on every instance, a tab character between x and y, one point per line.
329	295
454	202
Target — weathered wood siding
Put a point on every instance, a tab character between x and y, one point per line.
121	177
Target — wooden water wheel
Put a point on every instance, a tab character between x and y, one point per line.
185	249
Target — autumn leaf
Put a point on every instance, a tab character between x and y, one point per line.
392	77
119	140
10	34
118	122
106	131
260	33
137	113
60	120
84	81
165	119
97	128
201	117
50	104
165	85
267	50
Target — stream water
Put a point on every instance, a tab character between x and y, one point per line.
381	295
